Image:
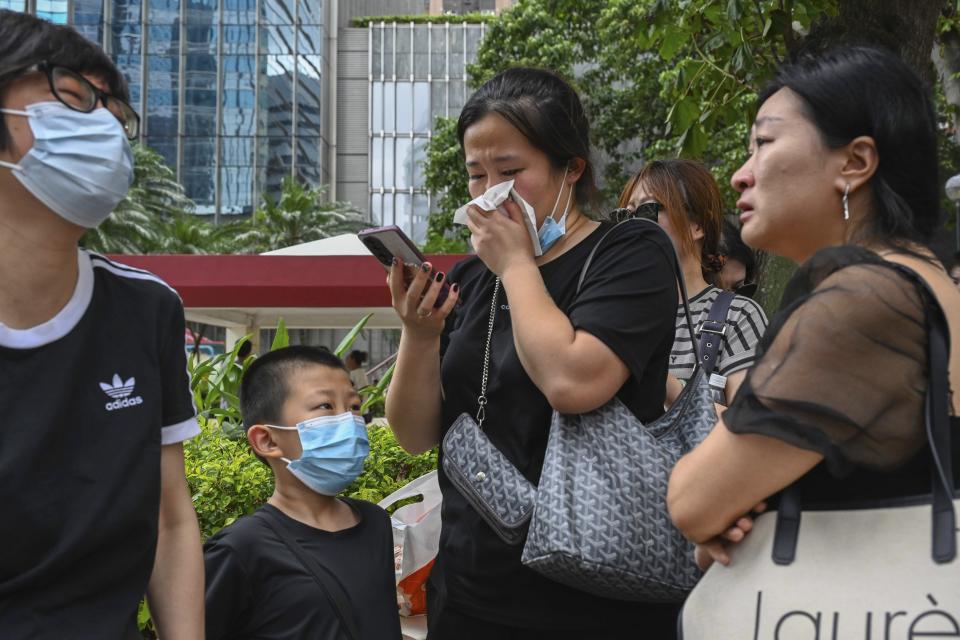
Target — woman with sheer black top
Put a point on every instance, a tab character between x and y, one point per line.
841	178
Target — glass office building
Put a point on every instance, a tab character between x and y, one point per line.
417	72
229	91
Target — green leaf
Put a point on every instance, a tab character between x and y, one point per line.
282	338
673	39
734	12
385	380
378	391
738	62
683	114
349	339
714	13
693	142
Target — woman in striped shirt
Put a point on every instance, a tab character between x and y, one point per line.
683	198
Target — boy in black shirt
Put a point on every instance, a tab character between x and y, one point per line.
257	583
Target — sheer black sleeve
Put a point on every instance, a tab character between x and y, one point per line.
843	368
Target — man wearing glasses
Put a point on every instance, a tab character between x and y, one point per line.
93	386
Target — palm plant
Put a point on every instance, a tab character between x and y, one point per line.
139	224
300	215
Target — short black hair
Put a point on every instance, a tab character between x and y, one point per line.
546	109
358	356
732	246
265	387
26	40
852	91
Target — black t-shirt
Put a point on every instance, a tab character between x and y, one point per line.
257	588
87	400
628	301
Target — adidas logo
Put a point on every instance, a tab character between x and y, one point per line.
120	391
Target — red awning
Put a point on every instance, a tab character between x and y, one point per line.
264	282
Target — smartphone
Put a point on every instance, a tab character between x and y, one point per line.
387	243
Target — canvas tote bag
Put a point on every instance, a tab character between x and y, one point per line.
886	572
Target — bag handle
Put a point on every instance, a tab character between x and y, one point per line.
677	272
482	399
937	425
320	574
716	324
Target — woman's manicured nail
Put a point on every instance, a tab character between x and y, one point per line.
455	287
439	276
425	267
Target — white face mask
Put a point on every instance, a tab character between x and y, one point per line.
80	165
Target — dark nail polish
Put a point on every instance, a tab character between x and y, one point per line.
395	261
439	276
455	288
425	267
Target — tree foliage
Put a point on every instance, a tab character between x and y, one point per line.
444	175
679	77
623	103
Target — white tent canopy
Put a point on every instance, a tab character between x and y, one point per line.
343	245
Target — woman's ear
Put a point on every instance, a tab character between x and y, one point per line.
859	161
696	231
262	442
575	169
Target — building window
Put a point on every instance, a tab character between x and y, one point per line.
229	91
417	72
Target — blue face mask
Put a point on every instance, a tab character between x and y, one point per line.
334	448
552	230
80	165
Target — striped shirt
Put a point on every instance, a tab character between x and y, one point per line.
746	323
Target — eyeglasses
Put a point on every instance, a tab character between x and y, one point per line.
649	210
77	93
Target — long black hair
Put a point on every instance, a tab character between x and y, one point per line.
546	110
864	91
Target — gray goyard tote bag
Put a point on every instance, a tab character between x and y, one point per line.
600	523
887	572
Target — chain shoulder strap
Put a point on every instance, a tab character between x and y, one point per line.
482	400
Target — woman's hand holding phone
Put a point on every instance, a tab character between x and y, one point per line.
414	299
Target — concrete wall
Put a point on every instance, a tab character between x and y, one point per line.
353	126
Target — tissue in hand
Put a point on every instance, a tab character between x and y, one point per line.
496	196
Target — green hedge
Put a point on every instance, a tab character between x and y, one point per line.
227	481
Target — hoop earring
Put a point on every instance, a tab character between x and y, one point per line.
846	202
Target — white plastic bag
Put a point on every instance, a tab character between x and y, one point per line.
416	538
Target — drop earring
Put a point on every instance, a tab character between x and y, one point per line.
846	202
